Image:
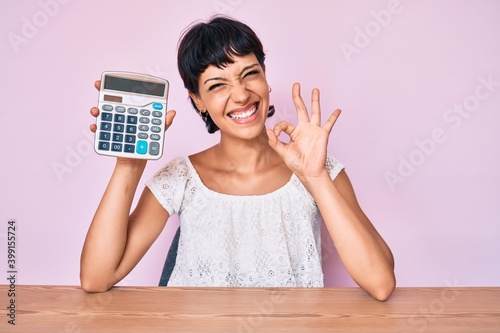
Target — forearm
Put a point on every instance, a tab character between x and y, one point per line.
363	251
107	236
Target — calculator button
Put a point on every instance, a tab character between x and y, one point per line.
120	109
116	147
145	112
129	149
144	120
130	138
105	136
142	147
143	128
157	106
131	129
117	137
103	145
106	116
142	135
118	128
132	119
154	148
155	137
132	110
156	121
119	118
107	107
105	126
157	114
156	129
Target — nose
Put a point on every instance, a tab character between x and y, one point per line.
240	93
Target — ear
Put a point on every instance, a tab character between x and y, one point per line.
197	101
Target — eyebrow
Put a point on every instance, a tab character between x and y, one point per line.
221	78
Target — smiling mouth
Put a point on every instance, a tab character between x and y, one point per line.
245	114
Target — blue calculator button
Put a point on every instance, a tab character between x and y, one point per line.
105	136
118	128
132	119
107	116
116	147
117	137
129	149
105	126
142	147
131	129
130	138
103	145
157	106
119	118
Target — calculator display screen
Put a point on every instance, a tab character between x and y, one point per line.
134	86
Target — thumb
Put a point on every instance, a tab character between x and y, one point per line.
169	118
275	143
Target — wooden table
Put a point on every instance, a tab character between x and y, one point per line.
55	309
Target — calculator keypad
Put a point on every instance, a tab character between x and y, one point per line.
131	131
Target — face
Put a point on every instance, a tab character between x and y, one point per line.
236	97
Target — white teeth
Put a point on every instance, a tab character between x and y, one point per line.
245	114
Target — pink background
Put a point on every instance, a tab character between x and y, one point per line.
409	76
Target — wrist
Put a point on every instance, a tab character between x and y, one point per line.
129	163
314	183
132	168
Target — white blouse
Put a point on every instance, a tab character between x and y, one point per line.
269	240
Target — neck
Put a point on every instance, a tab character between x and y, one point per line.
244	155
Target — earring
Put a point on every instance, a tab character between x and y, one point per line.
209	123
271	110
204	115
270	89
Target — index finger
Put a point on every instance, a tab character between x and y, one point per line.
97	84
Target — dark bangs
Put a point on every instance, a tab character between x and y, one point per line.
214	43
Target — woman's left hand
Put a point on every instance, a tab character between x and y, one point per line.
306	152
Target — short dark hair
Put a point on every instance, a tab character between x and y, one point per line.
214	43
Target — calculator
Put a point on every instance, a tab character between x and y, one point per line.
131	120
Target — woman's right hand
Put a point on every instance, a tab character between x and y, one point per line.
94	111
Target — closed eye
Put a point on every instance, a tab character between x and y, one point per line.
215	86
252	73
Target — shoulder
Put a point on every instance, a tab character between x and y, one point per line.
176	165
168	184
175	169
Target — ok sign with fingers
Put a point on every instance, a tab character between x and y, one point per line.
305	153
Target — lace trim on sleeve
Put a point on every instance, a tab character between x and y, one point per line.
168	184
333	166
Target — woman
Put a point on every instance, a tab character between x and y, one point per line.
250	206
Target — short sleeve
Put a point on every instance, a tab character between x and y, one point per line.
168	184
333	166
